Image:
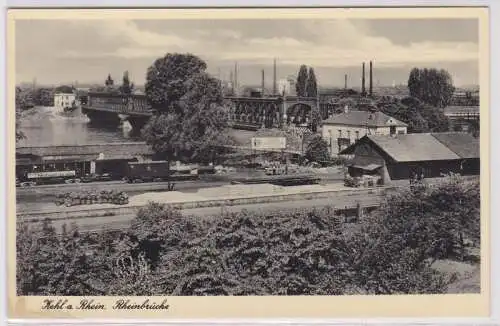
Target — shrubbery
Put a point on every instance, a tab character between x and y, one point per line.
308	252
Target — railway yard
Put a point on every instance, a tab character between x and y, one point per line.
201	198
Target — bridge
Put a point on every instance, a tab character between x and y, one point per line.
463	117
111	109
245	112
462	112
276	111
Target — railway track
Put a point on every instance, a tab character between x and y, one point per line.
122	221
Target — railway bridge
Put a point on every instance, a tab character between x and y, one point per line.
111	109
276	111
463	117
244	112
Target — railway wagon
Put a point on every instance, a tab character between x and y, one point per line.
156	171
50	177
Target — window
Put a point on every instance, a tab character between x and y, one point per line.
393	130
357	135
340	133
349	134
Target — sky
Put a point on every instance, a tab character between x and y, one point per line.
63	51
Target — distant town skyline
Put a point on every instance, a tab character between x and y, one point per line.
62	51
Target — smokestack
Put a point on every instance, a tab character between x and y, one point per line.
263	84
231	80
363	90
345	81
235	77
274	77
371	78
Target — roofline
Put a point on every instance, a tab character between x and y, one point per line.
373	142
399	161
363	125
86	145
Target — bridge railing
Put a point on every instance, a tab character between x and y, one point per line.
462	115
126	104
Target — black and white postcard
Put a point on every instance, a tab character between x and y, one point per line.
211	163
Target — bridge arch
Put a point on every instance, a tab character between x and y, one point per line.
299	112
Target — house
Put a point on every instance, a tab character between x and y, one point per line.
342	130
64	100
401	156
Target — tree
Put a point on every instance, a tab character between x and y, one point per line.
282	252
190	118
44	97
20	106
317	150
109	82
166	78
127	86
302	77
434	87
64	89
311	85
419	116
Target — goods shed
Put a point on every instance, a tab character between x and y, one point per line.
401	156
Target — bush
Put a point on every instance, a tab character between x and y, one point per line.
317	150
305	252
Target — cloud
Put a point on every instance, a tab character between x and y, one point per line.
336	43
322	43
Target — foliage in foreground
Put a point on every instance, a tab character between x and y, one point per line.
308	252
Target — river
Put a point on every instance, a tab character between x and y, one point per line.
49	126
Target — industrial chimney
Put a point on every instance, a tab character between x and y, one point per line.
231	79
236	78
371	78
363	90
345	81
263	85
274	77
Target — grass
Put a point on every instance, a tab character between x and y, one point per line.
467	275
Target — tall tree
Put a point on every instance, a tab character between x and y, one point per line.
190	119
166	78
311	85
127	86
434	87
302	77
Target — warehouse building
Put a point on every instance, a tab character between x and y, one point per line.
79	160
402	156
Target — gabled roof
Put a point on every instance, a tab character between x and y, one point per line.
110	150
424	147
364	119
461	143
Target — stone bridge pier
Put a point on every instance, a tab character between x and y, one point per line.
110	110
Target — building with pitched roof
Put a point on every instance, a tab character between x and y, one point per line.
85	159
403	155
342	130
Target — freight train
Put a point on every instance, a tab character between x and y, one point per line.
135	172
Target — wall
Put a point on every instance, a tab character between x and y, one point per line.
433	169
350	133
